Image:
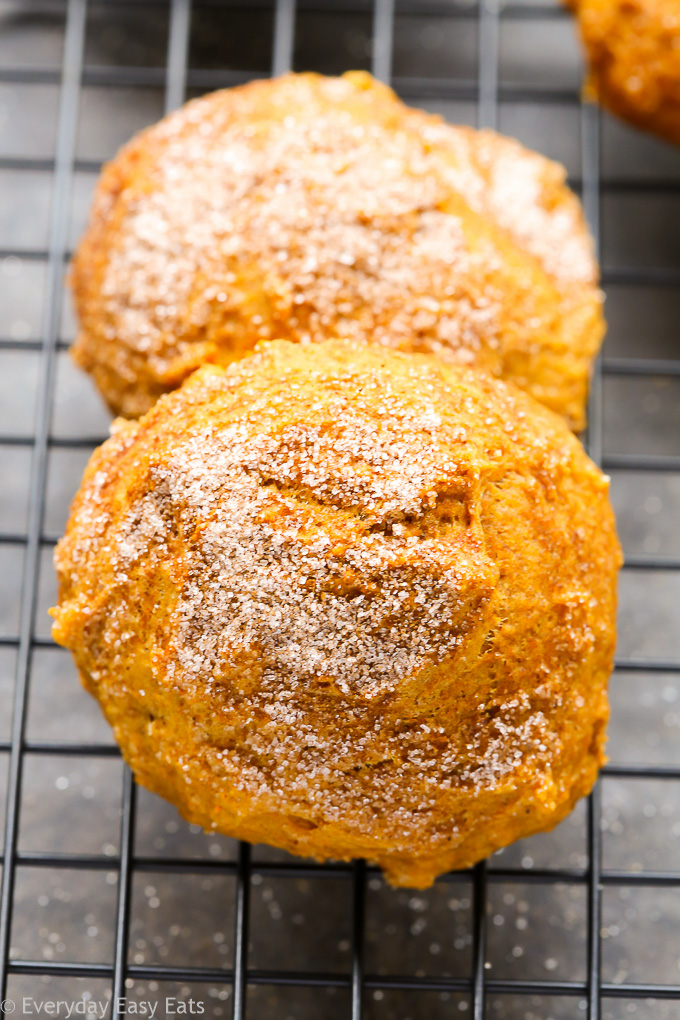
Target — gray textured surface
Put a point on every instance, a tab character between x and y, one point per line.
72	804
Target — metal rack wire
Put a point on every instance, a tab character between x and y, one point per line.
176	78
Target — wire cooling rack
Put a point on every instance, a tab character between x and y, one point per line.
100	902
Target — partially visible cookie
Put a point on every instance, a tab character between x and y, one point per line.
309	208
633	49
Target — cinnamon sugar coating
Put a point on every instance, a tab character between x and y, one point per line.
348	602
308	208
633	48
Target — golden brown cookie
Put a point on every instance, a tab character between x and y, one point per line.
633	48
348	602
308	208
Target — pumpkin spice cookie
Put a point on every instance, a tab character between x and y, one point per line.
309	208
350	603
633	48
